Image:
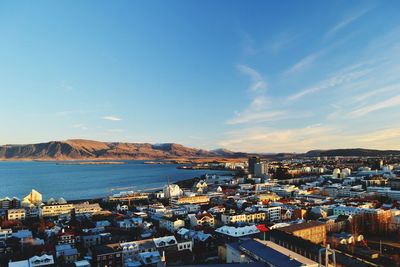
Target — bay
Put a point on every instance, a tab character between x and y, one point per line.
74	181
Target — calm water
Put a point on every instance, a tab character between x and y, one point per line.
85	181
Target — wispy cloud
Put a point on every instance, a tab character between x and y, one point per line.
258	84
282	41
111	118
302	139
345	75
303	63
346	21
376	92
388	103
259	109
254	117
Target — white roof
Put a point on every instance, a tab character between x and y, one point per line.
23	263
82	263
165	241
238	231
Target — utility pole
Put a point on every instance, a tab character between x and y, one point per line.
328	252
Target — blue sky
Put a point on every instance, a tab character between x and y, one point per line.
262	76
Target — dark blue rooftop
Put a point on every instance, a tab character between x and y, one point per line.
263	253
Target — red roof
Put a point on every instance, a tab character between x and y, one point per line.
262	228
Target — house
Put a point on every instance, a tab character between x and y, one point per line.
67	253
122	207
171	224
95	239
197	236
217	209
171	244
66	238
344	238
286	214
5	233
201	186
106	255
202	219
36	261
129	223
150	258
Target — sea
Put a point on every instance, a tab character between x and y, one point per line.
78	181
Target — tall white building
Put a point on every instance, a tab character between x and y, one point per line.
172	190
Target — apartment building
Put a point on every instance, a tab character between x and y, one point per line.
87	208
228	218
313	231
16	214
51	210
273	214
201	199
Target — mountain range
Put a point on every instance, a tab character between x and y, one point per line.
79	149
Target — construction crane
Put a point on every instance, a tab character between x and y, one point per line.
169	192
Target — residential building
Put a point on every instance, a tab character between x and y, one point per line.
109	255
171	224
52	210
313	231
228	218
199	199
87	208
202	219
16	214
252	161
237	232
5	233
273	214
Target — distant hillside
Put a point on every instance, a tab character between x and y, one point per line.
91	150
356	152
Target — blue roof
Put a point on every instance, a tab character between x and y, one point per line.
261	252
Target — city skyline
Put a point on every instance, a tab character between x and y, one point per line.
274	77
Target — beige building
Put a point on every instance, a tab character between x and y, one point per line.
55	209
202	219
312	231
171	225
244	217
86	207
16	214
194	200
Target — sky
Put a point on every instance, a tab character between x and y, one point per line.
254	76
